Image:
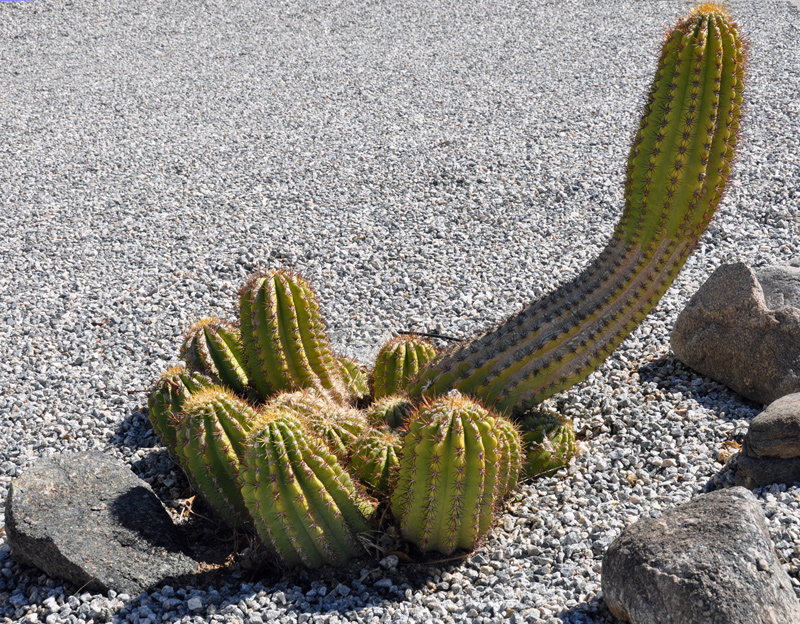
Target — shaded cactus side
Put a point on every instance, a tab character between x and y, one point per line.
375	460
166	401
211	430
549	440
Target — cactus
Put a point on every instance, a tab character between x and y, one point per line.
210	441
166	401
448	477
550	441
375	460
677	170
284	338
511	449
305	507
337	425
355	378
398	363
214	347
392	410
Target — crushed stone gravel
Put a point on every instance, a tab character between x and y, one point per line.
429	166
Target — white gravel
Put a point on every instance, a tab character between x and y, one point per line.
428	165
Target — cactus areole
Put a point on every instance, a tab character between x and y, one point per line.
677	170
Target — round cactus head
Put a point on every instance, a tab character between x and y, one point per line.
376	459
398	363
305	507
451	464
337	425
286	347
393	411
214	347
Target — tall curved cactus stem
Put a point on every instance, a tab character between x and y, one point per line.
677	170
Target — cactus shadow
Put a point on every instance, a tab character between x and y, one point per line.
672	375
593	611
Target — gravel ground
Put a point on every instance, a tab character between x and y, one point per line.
429	166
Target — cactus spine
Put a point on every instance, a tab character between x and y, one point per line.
305	506
398	363
677	170
166	401
337	425
355	378
448	479
210	441
392	410
375	459
214	347
284	337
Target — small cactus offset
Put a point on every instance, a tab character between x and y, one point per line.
375	460
210	441
284	338
393	411
677	171
550	442
214	347
338	426
355	378
305	507
398	363
449	467
166	401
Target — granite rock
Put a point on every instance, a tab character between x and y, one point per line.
709	561
729	333
771	449
87	518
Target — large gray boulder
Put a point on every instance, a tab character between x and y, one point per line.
87	518
731	333
710	561
771	449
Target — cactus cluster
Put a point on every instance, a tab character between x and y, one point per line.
284	438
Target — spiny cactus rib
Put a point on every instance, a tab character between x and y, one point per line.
210	441
449	467
393	410
214	347
511	451
375	460
677	171
338	426
549	439
356	379
398	363
166	401
284	337
305	507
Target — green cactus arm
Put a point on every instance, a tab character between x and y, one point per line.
675	178
417	455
